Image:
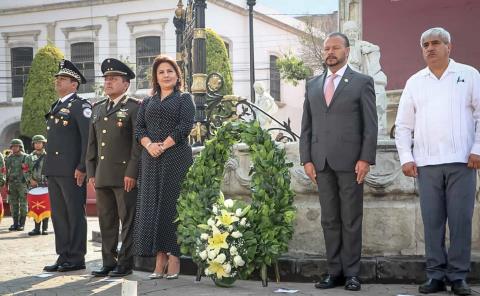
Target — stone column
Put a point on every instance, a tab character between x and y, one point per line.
350	10
112	36
51	32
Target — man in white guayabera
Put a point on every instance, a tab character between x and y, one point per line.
440	106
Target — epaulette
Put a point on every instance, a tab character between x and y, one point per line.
132	99
99	102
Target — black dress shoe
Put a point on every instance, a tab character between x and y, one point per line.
330	281
67	266
34	232
51	268
44	232
12	227
352	283
120	271
102	272
432	286
460	287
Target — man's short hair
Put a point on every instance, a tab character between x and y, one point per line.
74	80
341	35
437	32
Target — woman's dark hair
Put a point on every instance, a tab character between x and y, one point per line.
165	59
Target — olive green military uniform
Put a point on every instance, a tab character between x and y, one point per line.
113	154
2	182
17	186
35	163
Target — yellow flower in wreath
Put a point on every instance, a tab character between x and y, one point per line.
218	240
227	218
217	269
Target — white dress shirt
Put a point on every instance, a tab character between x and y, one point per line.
337	79
442	114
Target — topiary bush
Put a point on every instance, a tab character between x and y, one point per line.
39	91
218	61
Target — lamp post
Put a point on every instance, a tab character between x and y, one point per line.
250	4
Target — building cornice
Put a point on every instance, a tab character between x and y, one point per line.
33	33
133	24
57	6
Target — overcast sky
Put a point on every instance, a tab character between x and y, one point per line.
301	6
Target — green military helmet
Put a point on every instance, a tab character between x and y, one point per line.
16	142
39	138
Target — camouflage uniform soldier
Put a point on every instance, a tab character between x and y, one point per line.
2	182
35	175
17	186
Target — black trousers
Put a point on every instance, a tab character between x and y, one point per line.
69	220
341	202
115	205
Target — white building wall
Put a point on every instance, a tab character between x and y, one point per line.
146	18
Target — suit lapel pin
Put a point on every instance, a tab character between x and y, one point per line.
346	80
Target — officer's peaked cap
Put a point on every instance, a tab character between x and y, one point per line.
113	66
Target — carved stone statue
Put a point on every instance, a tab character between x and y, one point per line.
265	102
365	58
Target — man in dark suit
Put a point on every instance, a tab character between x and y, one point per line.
67	133
337	146
112	167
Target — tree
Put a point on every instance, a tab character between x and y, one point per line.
309	61
39	91
218	61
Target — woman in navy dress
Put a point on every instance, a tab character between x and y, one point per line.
163	124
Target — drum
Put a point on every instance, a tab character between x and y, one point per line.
38	204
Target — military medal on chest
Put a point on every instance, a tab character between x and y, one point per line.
121	115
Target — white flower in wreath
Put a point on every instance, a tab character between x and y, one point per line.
243	221
227	267
228	203
238	261
220	258
238	212
207	272
233	250
230	228
204	236
203	254
212	254
215	209
210	222
236	234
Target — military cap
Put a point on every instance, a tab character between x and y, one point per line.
67	68
112	66
39	138
16	142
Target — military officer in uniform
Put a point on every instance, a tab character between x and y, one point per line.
17	186
112	167
67	133
35	177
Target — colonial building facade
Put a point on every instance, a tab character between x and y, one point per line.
137	31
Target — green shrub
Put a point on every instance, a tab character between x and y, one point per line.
218	61
39	91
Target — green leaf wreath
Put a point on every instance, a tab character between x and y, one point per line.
272	211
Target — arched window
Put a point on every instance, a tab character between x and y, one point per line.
21	61
147	48
83	56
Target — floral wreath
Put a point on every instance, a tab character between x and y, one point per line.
271	213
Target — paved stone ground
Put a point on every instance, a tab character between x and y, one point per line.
22	259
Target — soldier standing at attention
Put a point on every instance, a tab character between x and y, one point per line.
112	167
17	186
35	177
2	183
67	134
